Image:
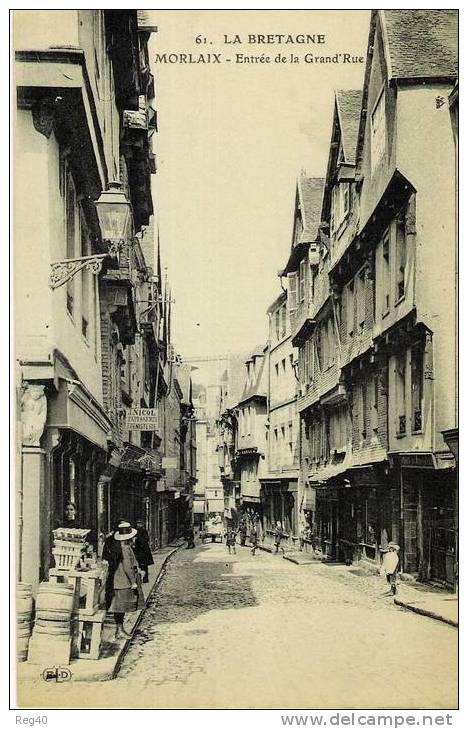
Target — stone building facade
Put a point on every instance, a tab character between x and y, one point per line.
376	334
93	336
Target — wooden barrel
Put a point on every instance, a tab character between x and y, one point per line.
54	601
51	627
24	601
23	629
22	645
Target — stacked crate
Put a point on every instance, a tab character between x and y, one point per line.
57	602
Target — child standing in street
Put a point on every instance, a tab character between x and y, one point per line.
389	566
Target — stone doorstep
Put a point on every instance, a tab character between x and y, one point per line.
107	667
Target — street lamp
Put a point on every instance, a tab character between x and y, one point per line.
115	219
114	214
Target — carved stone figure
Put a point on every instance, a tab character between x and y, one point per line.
33	414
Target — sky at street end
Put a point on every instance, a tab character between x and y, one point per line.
232	139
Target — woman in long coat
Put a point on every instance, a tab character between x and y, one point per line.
123	585
142	549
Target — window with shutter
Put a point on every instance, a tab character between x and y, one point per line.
350	307
361	298
364	410
400	257
417	380
71	233
400	376
292	295
385	273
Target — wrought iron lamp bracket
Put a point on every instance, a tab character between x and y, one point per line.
63	271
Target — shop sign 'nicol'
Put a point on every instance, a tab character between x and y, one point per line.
142	419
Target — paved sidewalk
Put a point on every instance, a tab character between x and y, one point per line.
420	598
113	651
441	606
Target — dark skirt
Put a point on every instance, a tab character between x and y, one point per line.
127	600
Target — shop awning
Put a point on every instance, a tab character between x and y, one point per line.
199	507
75	408
215	505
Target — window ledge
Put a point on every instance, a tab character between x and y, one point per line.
416	432
398	301
400	435
70	316
385	313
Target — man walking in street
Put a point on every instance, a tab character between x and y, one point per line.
242	533
278	535
231	540
254	540
190	537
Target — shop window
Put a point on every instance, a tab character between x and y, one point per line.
378	131
416	387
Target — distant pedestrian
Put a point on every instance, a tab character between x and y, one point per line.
304	536
278	534
242	533
389	565
254	540
190	537
231	540
142	549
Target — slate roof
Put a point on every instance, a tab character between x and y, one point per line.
348	104
235	376
277	302
183	376
310	191
258	387
421	43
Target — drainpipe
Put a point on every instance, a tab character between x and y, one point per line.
402	524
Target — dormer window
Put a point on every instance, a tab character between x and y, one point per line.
340	205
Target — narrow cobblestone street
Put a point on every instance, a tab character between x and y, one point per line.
258	631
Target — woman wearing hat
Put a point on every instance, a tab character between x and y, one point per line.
123	585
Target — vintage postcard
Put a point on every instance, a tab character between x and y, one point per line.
235	249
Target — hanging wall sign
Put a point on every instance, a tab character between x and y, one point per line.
142	419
